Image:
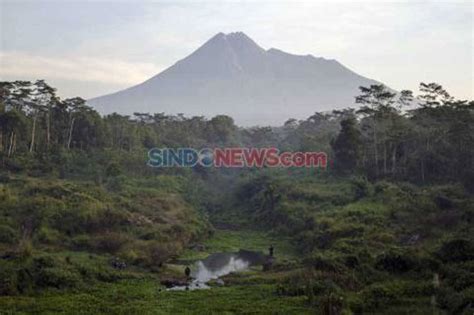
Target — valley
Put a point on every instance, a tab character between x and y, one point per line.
87	227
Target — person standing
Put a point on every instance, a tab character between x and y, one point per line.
187	271
270	250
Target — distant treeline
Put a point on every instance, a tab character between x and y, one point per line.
424	139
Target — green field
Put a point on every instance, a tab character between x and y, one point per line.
253	292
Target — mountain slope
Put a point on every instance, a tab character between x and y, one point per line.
230	74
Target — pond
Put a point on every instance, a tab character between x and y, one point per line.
220	264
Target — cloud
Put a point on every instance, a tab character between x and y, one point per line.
86	69
104	47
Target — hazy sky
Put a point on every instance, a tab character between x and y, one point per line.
89	48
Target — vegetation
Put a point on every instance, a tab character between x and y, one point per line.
87	227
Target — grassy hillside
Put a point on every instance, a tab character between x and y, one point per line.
64	234
366	247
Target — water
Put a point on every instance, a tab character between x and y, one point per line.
211	268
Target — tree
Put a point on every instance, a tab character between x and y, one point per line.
377	103
397	128
221	129
47	99
13	123
433	94
14	96
74	106
347	146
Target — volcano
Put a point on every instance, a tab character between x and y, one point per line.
232	75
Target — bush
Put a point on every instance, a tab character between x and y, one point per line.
351	261
395	263
158	253
25	249
7	235
4	178
44	262
296	283
58	277
8	279
48	235
332	304
457	276
451	300
92	272
456	251
323	263
361	187
51	271
113	170
82	241
378	295
110	242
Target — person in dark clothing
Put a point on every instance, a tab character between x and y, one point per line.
270	250
187	271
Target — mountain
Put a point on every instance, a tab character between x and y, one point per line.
230	74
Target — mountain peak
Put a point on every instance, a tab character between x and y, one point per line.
237	35
233	47
230	35
233	38
231	74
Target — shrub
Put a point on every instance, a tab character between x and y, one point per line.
8	279
450	300
361	187
113	170
457	276
323	263
44	262
295	283
25	249
129	255
395	263
158	253
378	295
110	242
82	241
456	251
48	235
4	178
116	183
7	235
332	304
58	277
24	279
351	261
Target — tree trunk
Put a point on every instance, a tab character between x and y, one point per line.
33	133
376	155
14	143
10	145
48	127
394	159
70	134
422	171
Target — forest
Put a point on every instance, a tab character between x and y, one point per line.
386	228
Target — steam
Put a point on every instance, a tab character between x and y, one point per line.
202	275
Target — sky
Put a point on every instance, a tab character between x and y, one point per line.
91	48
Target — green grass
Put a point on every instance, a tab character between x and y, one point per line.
232	241
250	292
331	227
144	297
